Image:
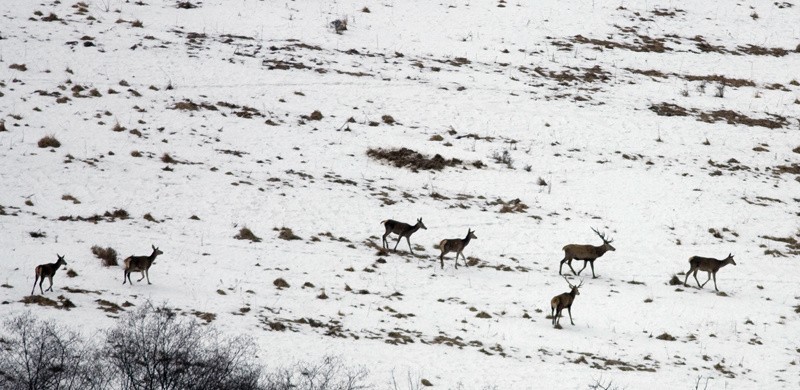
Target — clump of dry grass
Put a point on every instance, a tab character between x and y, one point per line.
280	283
388	119
287	234
136	153
675	281
70	198
407	158
19	67
666	337
108	255
247	234
48	141
315	116
168	159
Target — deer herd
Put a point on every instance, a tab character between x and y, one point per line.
587	253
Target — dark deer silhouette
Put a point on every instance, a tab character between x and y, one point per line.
47	271
709	265
140	264
587	253
455	245
402	230
562	301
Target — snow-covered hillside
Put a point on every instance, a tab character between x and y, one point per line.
672	127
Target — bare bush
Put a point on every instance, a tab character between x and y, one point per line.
37	354
152	348
329	374
247	234
48	141
108	255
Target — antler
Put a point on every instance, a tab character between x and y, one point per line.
570	284
580	284
602	236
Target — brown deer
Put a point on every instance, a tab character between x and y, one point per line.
402	230
562	301
456	245
709	265
140	264
587	253
47	271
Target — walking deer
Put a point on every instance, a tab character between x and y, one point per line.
140	264
709	265
47	271
402	230
456	245
562	301
587	253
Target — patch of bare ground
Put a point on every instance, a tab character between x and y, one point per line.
774	121
735	118
207	317
602	363
792	244
108	306
188	105
574	74
63	302
108	216
642	43
649	72
727	81
287	234
246	234
415	161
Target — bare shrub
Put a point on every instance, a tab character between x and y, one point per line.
37	354
503	157
168	159
329	374
48	141
247	234
339	25
70	198
108	255
288	234
407	158
153	348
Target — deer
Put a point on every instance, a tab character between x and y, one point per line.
709	265
47	271
402	230
562	301
140	264
456	245
587	253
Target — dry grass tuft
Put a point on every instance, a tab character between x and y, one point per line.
675	281
287	234
407	158
108	255
168	159
247	234
666	337
280	283
49	141
70	198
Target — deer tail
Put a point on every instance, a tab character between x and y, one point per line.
384	221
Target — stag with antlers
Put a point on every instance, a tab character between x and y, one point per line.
587	253
562	301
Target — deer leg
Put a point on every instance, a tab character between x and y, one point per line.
147	272
50	278
441	258
34	284
592	264
687	277
124	275
140	279
41	280
553	315
584	267
715	281
408	239
709	278
465	260
383	239
398	242
569	310
695	279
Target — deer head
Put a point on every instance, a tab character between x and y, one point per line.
471	234
574	289
606	241
422	225
61	260
730	259
156	251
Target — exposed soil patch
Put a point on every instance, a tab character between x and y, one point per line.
415	161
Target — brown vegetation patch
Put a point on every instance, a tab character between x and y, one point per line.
62	303
762	51
280	283
108	307
669	109
666	337
716	78
734	118
19	67
287	234
642	43
48	141
247	234
188	105
415	161
108	255
649	72
207	317
675	281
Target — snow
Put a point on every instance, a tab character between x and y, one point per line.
600	155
